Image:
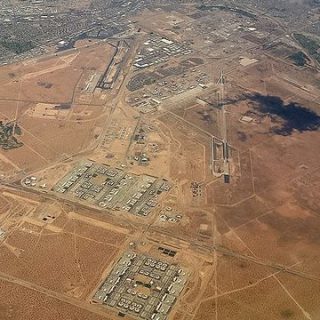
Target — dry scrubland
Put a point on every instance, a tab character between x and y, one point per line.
251	247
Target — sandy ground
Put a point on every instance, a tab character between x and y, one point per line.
251	246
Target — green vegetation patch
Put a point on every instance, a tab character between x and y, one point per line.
17	47
311	45
227	8
7	135
299	58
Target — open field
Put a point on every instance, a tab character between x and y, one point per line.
45	104
58	77
38	240
42	141
16	304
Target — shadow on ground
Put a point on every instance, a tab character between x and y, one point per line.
290	117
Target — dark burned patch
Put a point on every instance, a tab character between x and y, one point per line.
63	106
287	314
46	85
290	117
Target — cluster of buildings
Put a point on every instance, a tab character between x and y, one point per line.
142	286
147	105
157	50
151	88
112	188
168	215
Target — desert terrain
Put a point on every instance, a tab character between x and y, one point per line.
170	172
